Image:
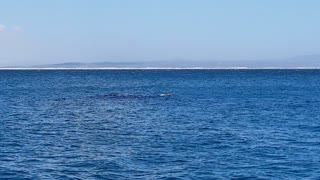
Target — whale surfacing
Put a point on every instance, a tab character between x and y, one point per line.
163	95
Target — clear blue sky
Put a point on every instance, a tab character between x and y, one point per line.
54	31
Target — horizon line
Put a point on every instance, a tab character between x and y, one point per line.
162	68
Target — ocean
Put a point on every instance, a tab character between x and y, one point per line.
160	124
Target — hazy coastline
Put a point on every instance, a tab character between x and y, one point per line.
161	68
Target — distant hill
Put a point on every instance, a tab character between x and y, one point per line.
311	61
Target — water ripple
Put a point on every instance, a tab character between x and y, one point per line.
196	124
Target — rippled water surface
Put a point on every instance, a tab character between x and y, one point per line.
160	124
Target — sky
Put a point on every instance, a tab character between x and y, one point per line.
45	32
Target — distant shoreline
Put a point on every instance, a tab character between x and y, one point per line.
167	68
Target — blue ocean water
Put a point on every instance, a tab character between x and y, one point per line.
160	124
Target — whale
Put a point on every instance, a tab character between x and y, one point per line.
164	95
130	96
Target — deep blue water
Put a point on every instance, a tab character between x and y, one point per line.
113	124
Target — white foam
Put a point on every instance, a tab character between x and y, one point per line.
154	68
